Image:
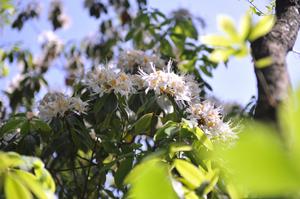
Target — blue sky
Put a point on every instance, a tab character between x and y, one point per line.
234	84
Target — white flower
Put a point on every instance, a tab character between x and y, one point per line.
78	105
209	119
167	82
193	85
131	60
52	105
106	80
57	104
137	82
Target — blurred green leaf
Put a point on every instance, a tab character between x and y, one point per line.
245	26
150	179
12	124
216	40
227	25
191	174
30	181
263	62
9	159
264	25
221	55
260	165
14	189
289	117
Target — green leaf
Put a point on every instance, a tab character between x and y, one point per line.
45	177
221	55
123	170
263	62
143	124
243	51
179	147
9	159
289	118
30	181
40	125
12	124
130	34
189	172
262	27
245	26
150	179
259	165
14	189
216	40
166	48
166	131
5	71
227	25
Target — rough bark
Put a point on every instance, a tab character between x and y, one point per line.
273	81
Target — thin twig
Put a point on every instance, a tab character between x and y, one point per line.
296	52
259	10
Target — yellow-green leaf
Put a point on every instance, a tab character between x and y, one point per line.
245	26
216	40
221	55
262	27
189	172
14	189
150	180
226	24
31	183
263	62
242	51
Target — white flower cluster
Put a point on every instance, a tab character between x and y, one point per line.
130	61
182	88
57	104
209	119
106	80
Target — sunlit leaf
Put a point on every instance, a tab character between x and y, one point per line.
14	189
289	117
216	40
30	181
221	55
259	164
150	179
227	25
263	62
264	25
245	25
189	172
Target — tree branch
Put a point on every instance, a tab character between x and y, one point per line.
273	81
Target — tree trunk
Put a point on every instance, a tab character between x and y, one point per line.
273	81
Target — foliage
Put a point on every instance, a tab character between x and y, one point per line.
25	177
271	168
234	43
